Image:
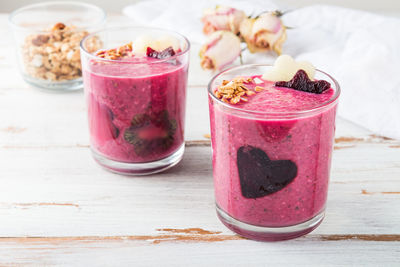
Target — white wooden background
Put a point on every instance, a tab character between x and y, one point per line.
58	207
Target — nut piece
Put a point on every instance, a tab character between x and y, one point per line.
54	55
58	26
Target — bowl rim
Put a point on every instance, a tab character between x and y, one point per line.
12	15
95	57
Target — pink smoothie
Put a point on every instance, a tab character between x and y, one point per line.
136	111
296	149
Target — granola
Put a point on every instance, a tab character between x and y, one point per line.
116	53
54	54
234	91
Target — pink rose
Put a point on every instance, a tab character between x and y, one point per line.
265	32
221	49
222	18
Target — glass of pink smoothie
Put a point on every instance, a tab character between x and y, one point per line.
272	156
136	102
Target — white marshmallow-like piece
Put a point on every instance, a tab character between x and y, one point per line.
139	46
285	67
167	41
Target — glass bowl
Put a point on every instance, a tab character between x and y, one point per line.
47	37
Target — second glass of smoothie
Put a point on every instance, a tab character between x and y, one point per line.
271	155
136	97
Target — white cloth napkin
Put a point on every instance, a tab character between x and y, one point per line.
360	49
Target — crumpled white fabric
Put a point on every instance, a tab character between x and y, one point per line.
360	49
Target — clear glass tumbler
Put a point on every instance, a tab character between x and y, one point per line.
136	108
271	169
47	37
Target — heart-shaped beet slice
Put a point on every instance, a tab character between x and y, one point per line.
259	176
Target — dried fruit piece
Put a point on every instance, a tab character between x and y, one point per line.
166	53
40	39
151	132
301	82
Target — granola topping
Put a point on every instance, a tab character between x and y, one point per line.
120	52
54	55
234	91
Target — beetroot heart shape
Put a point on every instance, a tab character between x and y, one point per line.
259	176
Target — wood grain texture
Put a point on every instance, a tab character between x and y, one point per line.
76	191
306	251
59	208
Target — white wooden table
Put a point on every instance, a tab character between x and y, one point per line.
58	207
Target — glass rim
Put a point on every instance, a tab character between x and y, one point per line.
93	56
280	114
55	3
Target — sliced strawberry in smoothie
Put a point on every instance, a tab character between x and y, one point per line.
275	131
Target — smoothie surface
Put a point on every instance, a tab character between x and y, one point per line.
134	67
282	99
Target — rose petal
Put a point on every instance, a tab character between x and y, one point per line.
221	49
222	18
264	33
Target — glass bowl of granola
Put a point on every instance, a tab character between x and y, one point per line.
47	37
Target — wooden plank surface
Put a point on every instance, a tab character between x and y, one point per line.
58	207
